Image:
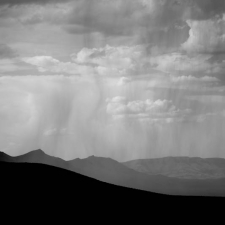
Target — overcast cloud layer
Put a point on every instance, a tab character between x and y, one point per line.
124	79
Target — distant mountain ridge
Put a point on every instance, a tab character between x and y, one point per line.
110	171
181	167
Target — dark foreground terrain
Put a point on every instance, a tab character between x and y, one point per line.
101	174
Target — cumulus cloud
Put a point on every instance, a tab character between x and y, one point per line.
116	105
49	64
180	62
206	36
142	109
123	80
41	61
121	60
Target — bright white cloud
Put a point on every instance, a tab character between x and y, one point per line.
121	60
123	80
206	35
143	108
42	61
107	61
49	64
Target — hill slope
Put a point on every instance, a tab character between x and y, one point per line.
113	172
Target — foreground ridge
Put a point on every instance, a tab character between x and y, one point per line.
125	175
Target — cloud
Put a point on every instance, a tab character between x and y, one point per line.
121	60
51	13
125	17
206	36
180	62
7	65
54	14
42	61
7	52
181	84
49	64
138	19
143	109
32	107
129	124
209	116
112	18
50	132
11	65
174	10
173	23
152	23
119	57
190	78
200	84
123	80
21	2
116	105
208	99
205	9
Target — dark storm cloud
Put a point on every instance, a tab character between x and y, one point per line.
163	40
154	23
122	17
159	24
20	2
7	52
108	17
206	9
192	9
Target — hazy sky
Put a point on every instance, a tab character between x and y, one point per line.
124	79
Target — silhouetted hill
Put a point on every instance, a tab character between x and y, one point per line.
113	172
46	184
36	156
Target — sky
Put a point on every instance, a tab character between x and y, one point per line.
125	79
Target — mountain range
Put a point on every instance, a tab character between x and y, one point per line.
181	167
170	175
